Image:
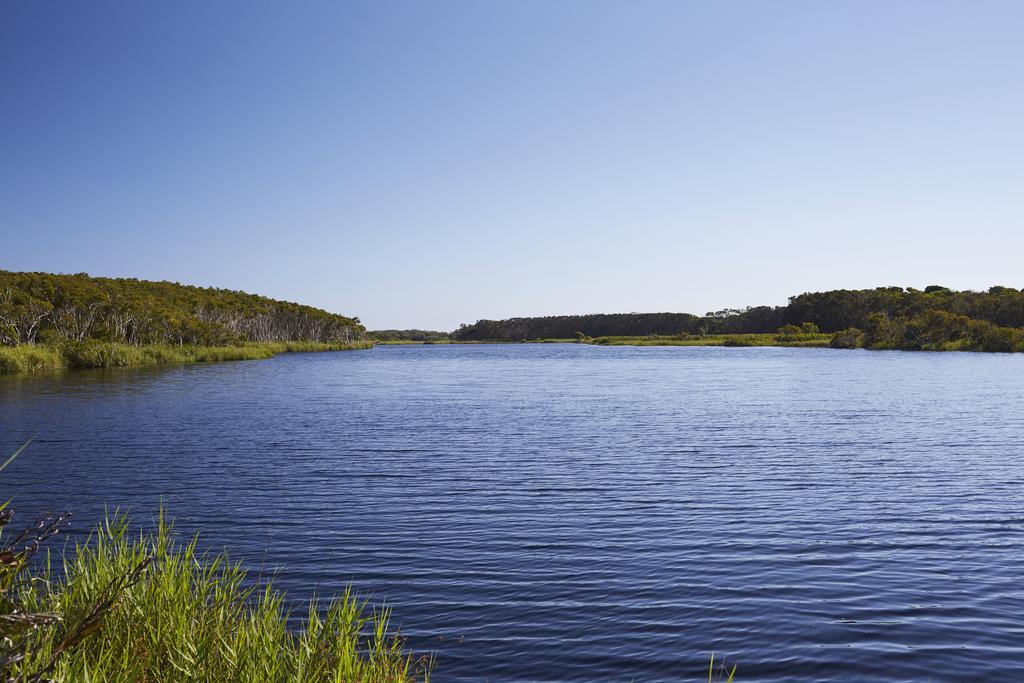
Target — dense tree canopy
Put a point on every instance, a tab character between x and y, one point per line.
841	309
833	311
41	307
567	326
762	319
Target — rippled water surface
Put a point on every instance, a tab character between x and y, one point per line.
567	512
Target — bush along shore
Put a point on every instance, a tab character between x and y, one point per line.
100	354
933	330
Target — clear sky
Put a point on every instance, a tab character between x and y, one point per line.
422	164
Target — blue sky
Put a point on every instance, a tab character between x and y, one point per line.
422	164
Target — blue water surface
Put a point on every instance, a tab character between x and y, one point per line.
578	513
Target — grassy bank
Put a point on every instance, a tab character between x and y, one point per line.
800	340
147	608
95	354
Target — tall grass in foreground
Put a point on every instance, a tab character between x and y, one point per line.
722	674
190	617
153	609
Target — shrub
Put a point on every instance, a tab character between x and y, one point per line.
737	341
850	338
882	332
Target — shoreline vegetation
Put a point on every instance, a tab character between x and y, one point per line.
61	322
51	323
408	336
933	319
34	358
816	340
804	340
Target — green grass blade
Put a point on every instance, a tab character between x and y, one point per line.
16	454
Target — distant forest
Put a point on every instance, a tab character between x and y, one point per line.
886	317
407	335
40	307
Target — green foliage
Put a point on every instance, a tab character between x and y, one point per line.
71	309
722	674
96	354
190	617
30	358
24	623
939	330
737	341
152	609
804	340
881	331
840	309
850	338
310	347
790	333
890	316
570	326
407	335
99	354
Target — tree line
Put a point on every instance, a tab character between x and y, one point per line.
56	309
407	335
884	317
762	319
932	330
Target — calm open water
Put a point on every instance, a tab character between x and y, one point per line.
567	512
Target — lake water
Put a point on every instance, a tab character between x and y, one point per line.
568	512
